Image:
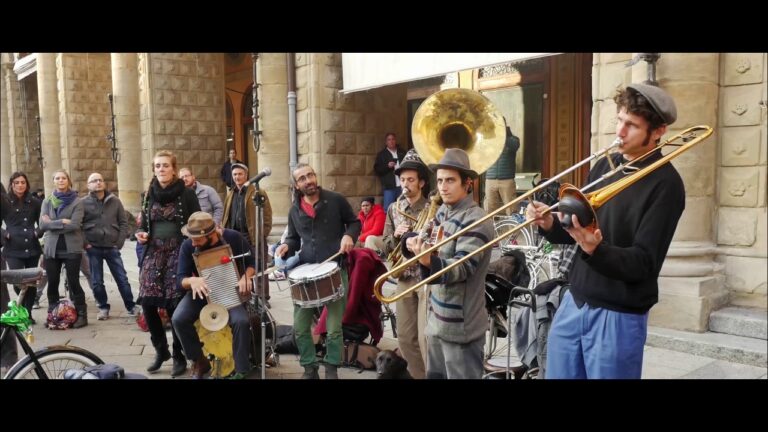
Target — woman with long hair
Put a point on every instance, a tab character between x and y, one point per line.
22	247
8	349
165	209
61	218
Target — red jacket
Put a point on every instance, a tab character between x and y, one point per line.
373	223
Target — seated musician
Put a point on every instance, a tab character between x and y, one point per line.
202	234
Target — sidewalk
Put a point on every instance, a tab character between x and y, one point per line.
119	340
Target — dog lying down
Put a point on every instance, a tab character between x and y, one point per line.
389	365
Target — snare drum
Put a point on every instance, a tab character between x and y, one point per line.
313	285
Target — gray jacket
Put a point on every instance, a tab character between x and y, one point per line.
210	201
105	223
457	299
72	232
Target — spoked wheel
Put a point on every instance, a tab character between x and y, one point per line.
54	360
520	240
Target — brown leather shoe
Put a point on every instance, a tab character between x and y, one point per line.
201	367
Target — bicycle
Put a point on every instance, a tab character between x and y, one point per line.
46	363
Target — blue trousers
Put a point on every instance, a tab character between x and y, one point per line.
595	343
390	196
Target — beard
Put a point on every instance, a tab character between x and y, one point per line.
309	189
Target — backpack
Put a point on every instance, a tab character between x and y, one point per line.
141	321
101	372
359	355
62	316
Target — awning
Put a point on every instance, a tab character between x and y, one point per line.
25	66
364	71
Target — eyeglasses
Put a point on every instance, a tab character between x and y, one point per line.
96	181
306	177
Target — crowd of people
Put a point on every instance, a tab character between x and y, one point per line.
598	332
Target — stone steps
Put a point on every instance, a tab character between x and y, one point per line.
731	348
739	321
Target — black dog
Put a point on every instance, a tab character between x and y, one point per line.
389	365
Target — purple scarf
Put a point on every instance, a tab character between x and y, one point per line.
60	200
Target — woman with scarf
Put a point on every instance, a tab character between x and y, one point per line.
61	217
166	208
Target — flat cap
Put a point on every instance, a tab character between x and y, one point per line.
660	100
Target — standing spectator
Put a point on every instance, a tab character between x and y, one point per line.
8	349
226	169
387	161
106	226
500	187
22	247
240	213
61	217
166	208
209	199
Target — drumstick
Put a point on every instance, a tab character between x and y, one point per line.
331	257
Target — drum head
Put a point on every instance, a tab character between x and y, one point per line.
312	271
214	317
218	343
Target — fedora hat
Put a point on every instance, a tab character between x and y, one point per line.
456	159
200	224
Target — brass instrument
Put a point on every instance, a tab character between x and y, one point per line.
453	118
426	214
683	140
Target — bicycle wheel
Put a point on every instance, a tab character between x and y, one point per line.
54	360
521	240
538	273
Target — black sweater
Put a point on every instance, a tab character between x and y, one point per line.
319	238
637	226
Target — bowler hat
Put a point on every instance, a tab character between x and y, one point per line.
200	224
660	100
456	159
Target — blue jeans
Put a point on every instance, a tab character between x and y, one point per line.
96	258
390	196
288	263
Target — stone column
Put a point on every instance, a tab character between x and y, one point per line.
48	97
690	284
125	87
274	151
6	72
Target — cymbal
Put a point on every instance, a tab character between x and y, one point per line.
214	317
267	271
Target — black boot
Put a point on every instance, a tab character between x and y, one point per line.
179	365
82	316
161	354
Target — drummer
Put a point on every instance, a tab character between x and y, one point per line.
202	234
322	224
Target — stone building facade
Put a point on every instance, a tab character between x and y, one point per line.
179	102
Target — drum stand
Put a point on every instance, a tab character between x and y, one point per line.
261	275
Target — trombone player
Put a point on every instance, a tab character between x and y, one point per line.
411	310
601	326
457	318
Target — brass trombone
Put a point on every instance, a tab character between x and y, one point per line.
683	140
